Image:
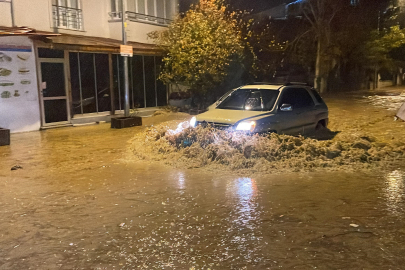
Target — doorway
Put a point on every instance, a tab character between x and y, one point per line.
53	92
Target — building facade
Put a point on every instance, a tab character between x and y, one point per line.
60	60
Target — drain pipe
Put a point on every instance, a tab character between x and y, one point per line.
12	13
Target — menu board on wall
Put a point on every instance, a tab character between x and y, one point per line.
17	73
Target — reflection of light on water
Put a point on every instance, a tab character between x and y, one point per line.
181	180
245	191
394	190
180	128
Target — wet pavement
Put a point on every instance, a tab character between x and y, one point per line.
81	202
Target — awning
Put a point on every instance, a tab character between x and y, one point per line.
78	42
23	31
98	44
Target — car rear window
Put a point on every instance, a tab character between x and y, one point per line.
250	100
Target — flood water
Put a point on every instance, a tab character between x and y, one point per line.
80	202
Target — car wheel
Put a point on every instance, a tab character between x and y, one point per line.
320	126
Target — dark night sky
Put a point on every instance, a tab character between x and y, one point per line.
256	5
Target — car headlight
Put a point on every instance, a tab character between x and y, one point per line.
193	121
246	126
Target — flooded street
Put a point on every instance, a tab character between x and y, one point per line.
81	201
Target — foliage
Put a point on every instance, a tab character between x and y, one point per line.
201	46
269	47
381	44
330	40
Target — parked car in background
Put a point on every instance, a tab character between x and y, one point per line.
291	108
180	99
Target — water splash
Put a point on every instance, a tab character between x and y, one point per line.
180	128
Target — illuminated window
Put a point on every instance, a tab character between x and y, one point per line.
354	2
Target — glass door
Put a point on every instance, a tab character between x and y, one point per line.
53	92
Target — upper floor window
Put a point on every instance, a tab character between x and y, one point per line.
155	11
67	14
116	9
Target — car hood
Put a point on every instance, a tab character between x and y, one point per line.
227	116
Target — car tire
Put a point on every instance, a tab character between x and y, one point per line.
319	126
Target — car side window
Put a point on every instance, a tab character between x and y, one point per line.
317	96
297	97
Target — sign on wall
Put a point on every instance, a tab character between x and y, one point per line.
19	104
16	72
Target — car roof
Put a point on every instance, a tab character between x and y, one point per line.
262	86
273	86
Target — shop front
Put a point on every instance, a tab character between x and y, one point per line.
68	80
90	81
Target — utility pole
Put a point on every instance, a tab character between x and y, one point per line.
125	58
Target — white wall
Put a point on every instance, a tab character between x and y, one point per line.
95	19
138	32
19	105
5	14
37	14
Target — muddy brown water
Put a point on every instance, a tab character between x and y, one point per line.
80	202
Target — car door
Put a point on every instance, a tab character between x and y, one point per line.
294	122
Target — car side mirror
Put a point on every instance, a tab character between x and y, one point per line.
286	107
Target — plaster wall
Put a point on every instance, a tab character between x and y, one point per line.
5	14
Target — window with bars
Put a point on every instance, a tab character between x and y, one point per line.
67	14
155	11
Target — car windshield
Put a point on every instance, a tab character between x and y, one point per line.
250	100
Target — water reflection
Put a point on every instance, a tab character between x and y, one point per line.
244	190
180	181
394	190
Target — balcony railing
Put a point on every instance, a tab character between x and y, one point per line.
66	17
138	17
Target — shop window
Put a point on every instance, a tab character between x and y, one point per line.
138	81
150	81
67	14
90	83
118	77
75	83
144	88
87	72
102	82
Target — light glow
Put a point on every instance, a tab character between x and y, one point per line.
246	126
193	121
180	128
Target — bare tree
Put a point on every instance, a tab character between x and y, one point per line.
320	14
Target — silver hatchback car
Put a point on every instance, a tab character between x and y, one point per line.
292	108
